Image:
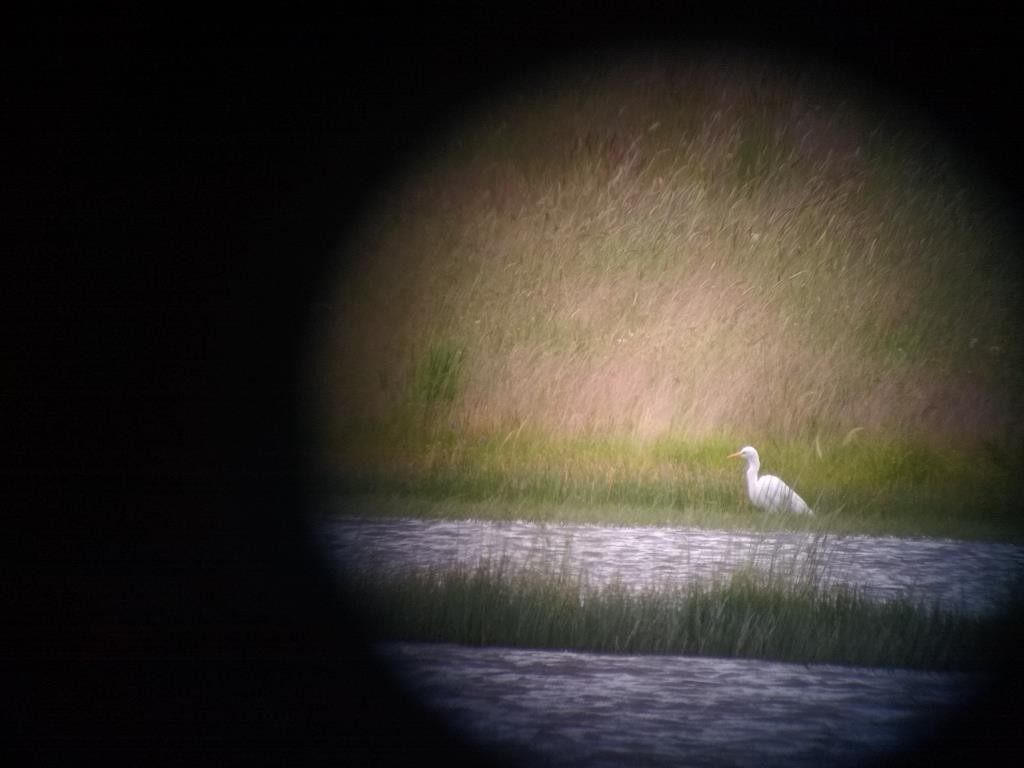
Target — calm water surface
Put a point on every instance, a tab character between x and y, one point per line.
581	709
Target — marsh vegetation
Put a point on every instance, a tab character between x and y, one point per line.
748	615
592	292
783	596
577	305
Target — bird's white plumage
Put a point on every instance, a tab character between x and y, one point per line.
769	492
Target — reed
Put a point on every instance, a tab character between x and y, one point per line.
752	614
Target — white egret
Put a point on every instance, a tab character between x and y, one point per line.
769	492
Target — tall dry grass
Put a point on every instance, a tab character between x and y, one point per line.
686	250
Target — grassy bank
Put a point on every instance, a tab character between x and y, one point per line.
863	486
590	292
750	615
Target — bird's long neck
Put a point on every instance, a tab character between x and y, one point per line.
752	467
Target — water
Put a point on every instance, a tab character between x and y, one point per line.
971	577
580	709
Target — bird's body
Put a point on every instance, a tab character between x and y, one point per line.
769	492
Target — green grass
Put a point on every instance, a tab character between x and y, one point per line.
435	381
750	615
867	486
